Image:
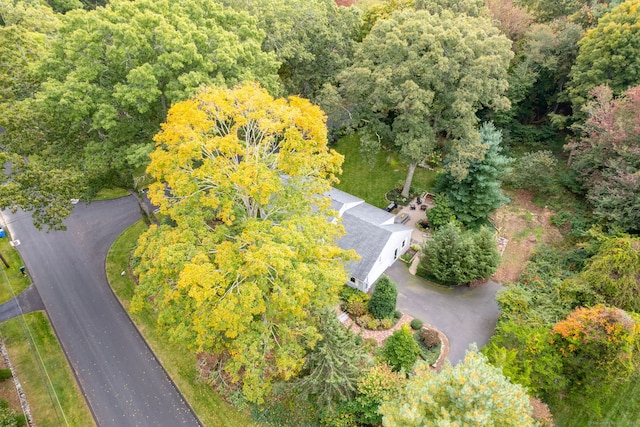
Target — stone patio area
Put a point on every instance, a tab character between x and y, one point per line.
416	215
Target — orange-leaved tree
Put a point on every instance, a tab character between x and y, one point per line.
249	254
599	346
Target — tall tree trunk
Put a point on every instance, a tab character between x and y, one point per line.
147	214
407	182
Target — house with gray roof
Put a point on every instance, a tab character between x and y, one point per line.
373	234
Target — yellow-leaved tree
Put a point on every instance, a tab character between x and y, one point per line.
249	254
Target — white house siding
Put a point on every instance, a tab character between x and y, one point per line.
397	244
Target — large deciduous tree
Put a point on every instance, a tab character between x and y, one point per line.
111	74
418	76
33	182
312	39
614	272
607	157
477	195
599	346
471	393
608	55
250	253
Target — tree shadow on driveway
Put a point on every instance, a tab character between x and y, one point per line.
466	315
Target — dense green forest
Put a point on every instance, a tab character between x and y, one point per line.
219	99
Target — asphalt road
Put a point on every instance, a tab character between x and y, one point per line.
466	315
121	379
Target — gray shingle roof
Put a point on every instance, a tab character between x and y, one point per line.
343	198
367	239
368	230
371	214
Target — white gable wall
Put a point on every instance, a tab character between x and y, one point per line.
397	244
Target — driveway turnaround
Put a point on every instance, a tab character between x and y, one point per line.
466	315
121	379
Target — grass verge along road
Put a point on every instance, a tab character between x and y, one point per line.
179	363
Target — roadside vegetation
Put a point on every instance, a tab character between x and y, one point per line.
43	370
37	358
179	363
15	281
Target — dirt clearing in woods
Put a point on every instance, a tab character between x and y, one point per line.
524	225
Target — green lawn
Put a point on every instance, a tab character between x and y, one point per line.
42	368
15	278
110	193
176	360
371	183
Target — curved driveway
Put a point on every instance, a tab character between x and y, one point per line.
466	315
121	379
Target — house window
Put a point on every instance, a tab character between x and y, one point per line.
395	254
404	242
353	279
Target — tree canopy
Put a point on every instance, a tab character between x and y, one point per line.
608	55
614	271
477	195
109	76
312	39
599	347
250	253
607	157
471	393
418	75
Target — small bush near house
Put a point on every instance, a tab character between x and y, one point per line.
441	213
400	350
349	294
356	308
416	324
354	301
397	314
430	345
382	304
367	321
429	337
375	386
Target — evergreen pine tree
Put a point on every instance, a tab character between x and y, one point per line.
486	256
477	195
333	367
448	257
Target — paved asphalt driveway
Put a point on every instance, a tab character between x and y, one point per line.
466	315
120	378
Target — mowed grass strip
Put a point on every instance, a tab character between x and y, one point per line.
18	281
179	363
44	373
372	183
110	193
